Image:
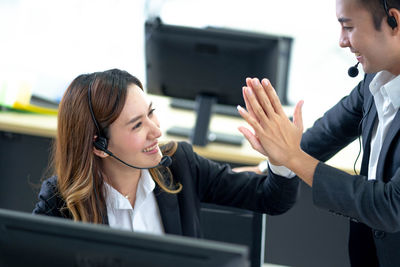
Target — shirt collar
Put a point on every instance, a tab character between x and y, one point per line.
390	84
115	200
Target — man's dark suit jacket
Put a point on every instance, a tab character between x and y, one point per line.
372	206
203	181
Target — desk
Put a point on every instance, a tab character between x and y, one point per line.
304	236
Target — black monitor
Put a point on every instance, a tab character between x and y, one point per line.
209	65
35	240
221	223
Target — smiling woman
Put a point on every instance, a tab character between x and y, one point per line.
106	140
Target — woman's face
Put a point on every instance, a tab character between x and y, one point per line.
134	134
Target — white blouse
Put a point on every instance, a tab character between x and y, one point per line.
143	217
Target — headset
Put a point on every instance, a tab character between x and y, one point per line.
391	20
101	142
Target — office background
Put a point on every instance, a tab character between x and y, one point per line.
47	43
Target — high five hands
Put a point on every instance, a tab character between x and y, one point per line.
275	136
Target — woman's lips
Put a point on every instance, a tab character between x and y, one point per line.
151	149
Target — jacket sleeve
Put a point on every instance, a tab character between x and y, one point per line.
338	127
49	202
374	203
217	183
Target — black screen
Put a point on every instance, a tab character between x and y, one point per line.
184	62
210	65
35	240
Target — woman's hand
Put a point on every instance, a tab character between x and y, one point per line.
274	134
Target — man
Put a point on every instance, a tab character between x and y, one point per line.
372	199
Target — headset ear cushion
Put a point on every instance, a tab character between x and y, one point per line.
392	22
101	143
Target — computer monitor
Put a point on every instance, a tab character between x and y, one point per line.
210	65
36	240
221	223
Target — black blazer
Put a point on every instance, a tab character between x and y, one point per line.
372	206
203	181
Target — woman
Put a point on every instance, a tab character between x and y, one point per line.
107	166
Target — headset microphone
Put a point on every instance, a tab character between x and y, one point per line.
165	161
101	144
353	71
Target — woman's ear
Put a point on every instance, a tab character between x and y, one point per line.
100	153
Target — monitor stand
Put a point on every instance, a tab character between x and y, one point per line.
200	134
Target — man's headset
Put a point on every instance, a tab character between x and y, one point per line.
101	142
391	20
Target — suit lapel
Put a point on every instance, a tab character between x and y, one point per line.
169	211
369	124
392	132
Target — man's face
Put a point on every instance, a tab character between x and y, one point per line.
374	49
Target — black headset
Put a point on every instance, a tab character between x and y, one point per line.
101	142
391	20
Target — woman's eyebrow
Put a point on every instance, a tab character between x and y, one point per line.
138	117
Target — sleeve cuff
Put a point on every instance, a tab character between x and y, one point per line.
281	171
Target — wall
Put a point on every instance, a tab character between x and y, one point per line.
51	42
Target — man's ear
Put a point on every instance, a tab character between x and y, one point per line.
395	14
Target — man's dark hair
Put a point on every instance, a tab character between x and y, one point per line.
377	10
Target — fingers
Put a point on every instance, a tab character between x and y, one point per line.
253	140
247	103
266	97
249	119
298	116
262	97
248	82
273	97
258	112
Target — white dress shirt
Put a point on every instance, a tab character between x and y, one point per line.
143	217
385	88
281	170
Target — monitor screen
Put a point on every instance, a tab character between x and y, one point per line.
210	65
35	240
221	223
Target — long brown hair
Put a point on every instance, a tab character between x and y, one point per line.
80	178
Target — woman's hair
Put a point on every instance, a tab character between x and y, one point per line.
79	170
